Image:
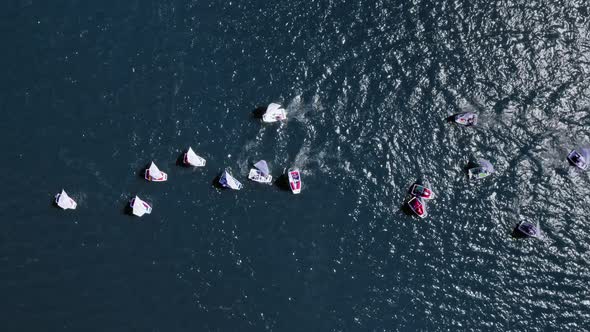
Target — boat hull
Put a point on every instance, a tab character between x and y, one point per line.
577	160
273	118
71	206
228	181
418	207
478	173
150	178
295	181
148	208
200	162
257	176
421	191
528	229
466	119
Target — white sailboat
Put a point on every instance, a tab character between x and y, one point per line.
482	169
260	173
228	181
274	112
140	207
191	159
64	201
154	174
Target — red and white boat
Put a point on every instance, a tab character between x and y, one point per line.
154	174
421	191
418	206
191	159
295	181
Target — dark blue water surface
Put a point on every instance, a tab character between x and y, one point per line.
91	92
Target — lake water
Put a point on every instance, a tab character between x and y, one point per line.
92	92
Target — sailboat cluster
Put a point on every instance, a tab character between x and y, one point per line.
419	193
259	173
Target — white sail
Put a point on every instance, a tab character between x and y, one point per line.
262	166
273	108
64	201
274	113
194	160
487	165
140	207
155	171
229	181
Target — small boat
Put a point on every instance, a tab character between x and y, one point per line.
295	181
260	173
579	159
483	169
228	181
154	174
191	159
64	201
274	112
418	206
466	119
421	190
478	172
139	207
528	229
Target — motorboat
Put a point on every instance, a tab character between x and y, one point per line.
421	190
191	159
274	112
226	180
482	169
528	229
154	174
418	206
260	173
466	119
295	181
139	207
579	159
64	201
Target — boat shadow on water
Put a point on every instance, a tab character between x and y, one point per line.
127	210
405	208
141	172
180	160
470	164
215	183
517	234
282	182
53	201
259	112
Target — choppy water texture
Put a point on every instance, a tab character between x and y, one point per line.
93	91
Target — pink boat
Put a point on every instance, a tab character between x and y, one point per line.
295	181
421	191
418	206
